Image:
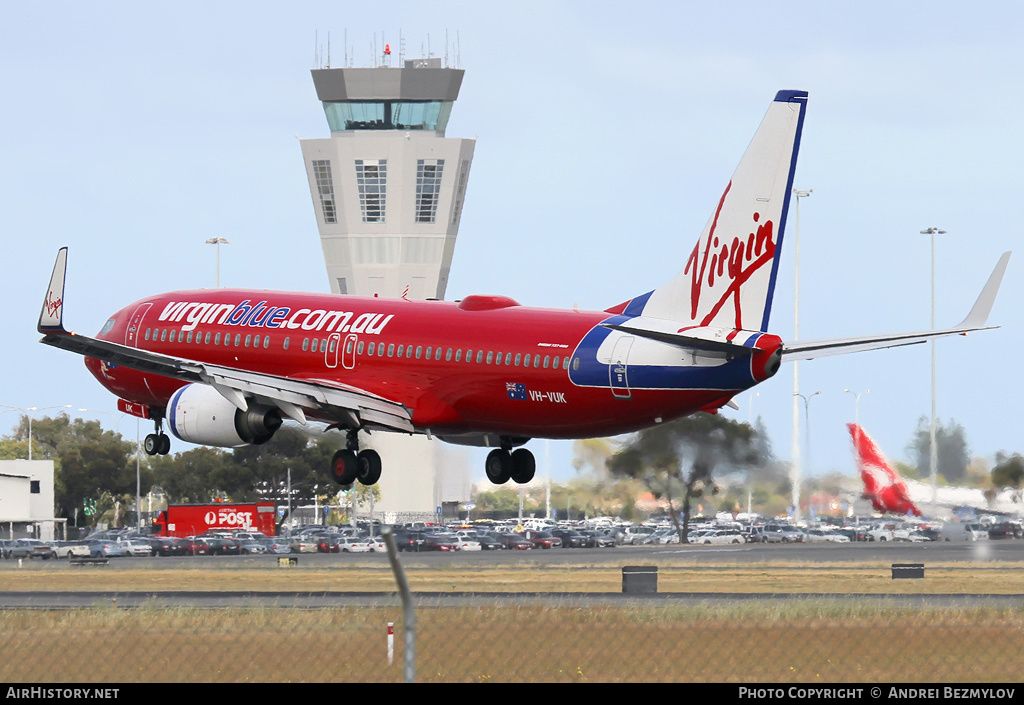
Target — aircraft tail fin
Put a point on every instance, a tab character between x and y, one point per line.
882	484
729	277
51	317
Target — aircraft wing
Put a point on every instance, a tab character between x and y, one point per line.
808	349
346	404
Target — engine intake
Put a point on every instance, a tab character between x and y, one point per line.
198	413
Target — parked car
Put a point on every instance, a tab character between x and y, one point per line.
195	546
71	549
438	542
353	544
136	547
826	536
515	541
325	543
276	544
1005	530
303	544
542	539
722	536
570	538
783	533
166	546
105	548
598	539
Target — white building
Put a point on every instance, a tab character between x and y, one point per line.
26	499
388	190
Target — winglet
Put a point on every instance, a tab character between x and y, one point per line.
51	318
983	306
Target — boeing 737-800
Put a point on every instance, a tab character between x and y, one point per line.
225	367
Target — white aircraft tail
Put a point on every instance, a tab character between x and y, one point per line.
729	276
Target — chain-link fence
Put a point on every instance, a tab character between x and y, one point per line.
541	639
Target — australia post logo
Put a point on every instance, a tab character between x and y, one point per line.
260	315
719	266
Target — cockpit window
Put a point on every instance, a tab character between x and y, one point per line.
108	326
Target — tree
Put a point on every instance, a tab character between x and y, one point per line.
678	459
1009	471
88	461
951	445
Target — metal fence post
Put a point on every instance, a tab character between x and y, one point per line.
408	611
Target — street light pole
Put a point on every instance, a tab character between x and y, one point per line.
933	458
807	434
856	408
218	241
795	470
29	417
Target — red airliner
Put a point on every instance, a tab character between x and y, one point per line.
225	367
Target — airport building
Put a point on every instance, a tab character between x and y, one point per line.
388	190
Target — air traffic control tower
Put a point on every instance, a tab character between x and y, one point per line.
388	189
387	185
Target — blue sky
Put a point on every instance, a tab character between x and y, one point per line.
606	131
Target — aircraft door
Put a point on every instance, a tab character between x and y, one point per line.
348	352
618	378
131	333
331	353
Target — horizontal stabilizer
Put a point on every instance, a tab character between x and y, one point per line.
975	320
685	341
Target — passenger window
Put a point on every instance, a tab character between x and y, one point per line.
401	349
286	341
536	360
508	358
369	348
216	339
266	341
172	336
575	363
348	347
526	360
437	354
458	355
147	334
248	339
163	335
188	338
207	341
480	356
419	349
497	359
323	345
448	355
490	358
305	344
391	349
554	363
334	342
359	349
547	358
565	363
518	359
238	339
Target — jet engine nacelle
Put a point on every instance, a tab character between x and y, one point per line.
198	413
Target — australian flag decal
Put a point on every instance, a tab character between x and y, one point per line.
515	390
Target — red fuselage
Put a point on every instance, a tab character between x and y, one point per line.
482	365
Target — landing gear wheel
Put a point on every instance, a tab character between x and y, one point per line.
498	466
344	467
523	466
152	444
369	466
163	444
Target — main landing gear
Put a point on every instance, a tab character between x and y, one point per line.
158	443
352	464
504	464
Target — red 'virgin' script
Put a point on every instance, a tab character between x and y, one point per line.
734	261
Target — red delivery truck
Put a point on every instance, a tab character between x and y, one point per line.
196	519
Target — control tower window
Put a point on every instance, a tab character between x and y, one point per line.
325	185
372	180
428	186
388	115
